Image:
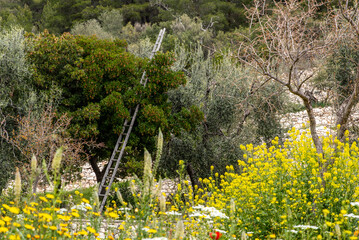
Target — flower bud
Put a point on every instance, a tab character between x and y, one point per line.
56	162
17	188
147	176
158	189
33	165
163	202
337	231
95	196
243	235
119	196
133	187
179	230
232	206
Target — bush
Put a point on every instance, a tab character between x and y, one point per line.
283	191
282	187
16	95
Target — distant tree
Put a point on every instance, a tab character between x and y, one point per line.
348	92
236	111
108	25
100	82
59	16
223	15
13	13
283	46
112	22
183	30
36	7
89	28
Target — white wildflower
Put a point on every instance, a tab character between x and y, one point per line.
198	214
198	207
351	215
305	226
62	211
174	213
124	209
83	207
156	238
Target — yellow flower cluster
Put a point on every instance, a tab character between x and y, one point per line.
282	187
285	190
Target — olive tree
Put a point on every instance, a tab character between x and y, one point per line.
287	46
16	97
236	110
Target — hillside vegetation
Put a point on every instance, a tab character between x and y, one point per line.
225	74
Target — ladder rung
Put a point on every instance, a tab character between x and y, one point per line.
102	195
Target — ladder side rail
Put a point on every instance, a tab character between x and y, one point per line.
160	40
143	78
120	156
158	43
123	145
155	49
119	139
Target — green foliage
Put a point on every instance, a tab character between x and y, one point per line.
190	30
112	22
225	15
108	26
7	163
100	82
124	188
223	90
15	14
59	16
142	48
16	96
342	71
141	13
266	119
90	27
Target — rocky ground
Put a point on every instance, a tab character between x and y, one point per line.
325	125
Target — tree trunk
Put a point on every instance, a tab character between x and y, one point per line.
345	111
35	184
192	176
312	122
99	174
313	125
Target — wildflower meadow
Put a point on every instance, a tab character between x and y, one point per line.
285	190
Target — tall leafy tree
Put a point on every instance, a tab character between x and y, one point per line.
100	82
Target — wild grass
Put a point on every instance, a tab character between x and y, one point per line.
282	191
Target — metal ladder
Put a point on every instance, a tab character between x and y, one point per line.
118	152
